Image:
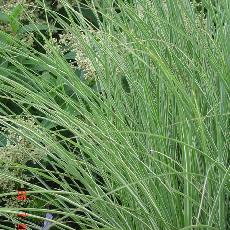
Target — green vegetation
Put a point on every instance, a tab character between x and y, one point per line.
122	108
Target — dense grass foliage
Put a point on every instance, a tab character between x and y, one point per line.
130	107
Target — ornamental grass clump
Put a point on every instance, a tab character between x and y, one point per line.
147	152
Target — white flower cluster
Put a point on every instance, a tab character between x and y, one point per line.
7	5
200	19
28	6
69	43
17	151
31	10
83	62
18	147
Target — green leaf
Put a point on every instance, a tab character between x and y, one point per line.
70	55
46	76
15	25
3	140
48	124
36	27
4	17
16	12
14	18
